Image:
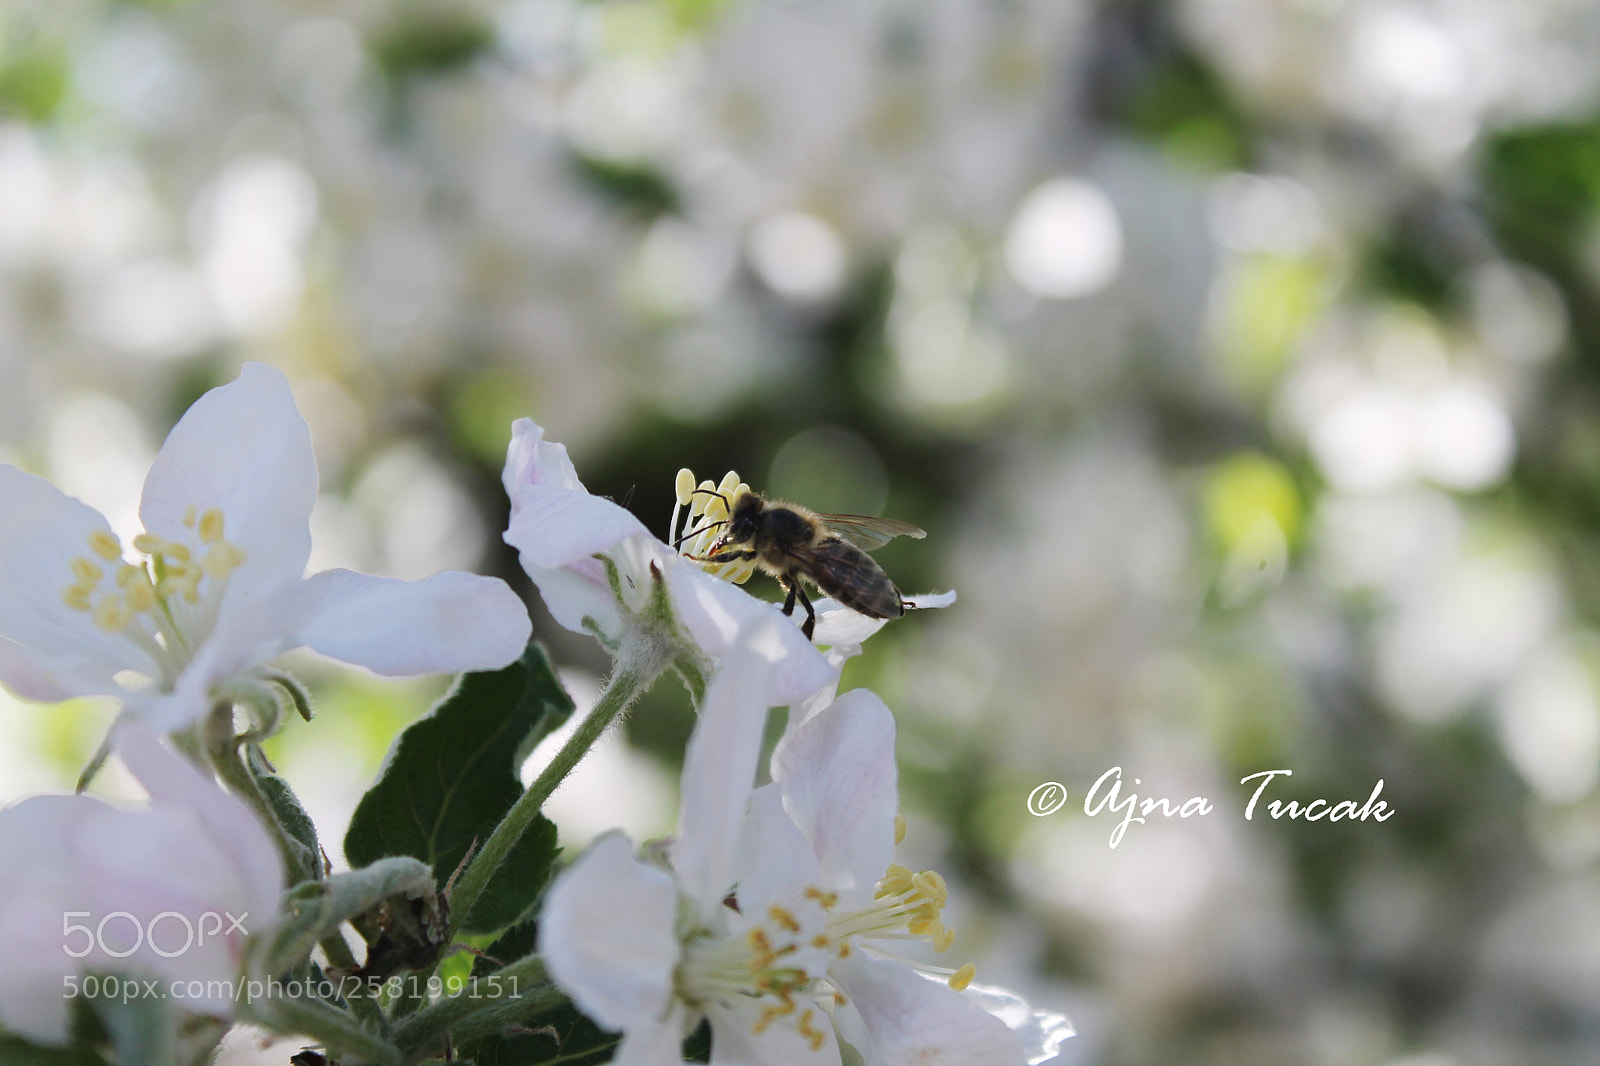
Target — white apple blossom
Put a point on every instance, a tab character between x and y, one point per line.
767	923
216	586
168	892
599	570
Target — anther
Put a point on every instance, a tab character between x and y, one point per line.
684	487
211	526
87	573
105	545
76	597
899	827
111	614
963	977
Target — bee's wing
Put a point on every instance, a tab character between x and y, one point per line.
867	532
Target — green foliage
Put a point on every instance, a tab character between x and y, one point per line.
14	1051
440	40
452	776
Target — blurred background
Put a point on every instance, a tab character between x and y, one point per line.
1241	358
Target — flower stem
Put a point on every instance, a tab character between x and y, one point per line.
222	749
625	686
489	1004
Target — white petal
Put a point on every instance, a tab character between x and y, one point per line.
716	613
56	648
254	628
242	447
928	600
656	1042
1042	1032
556	527
230	829
839	626
837	773
913	1021
574	593
719	765
532	460
606	933
734	1041
775	862
443	624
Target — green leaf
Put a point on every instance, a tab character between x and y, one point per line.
562	1035
451	777
291	816
15	1051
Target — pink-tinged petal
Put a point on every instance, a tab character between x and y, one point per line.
736	1041
838	777
447	623
553	527
715	613
606	933
913	1021
242	447
720	763
54	648
578	592
32	1003
253	869
532	460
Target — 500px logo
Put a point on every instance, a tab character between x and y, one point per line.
119	934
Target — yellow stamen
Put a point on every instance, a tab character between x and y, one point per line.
899	828
105	545
963	977
813	1036
111	614
684	487
211	526
188	516
87	573
76	597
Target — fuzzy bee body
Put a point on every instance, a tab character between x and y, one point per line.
790	542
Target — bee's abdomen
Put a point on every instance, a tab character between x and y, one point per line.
852	577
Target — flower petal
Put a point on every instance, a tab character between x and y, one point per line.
55	648
606	933
244	448
716	613
720	763
443	624
253	870
775	862
532	460
554	519
658	1042
837	773
739	1039
913	1021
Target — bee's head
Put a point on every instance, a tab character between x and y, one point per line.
743	517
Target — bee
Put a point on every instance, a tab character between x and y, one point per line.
829	550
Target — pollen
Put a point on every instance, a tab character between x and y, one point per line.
166	604
105	545
707	503
963	977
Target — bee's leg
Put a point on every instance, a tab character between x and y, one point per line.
726	555
810	624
